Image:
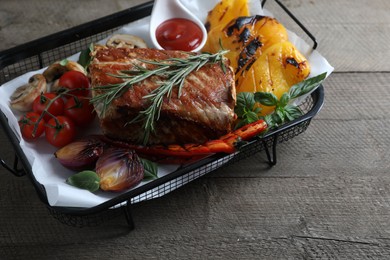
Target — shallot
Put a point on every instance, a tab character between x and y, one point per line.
81	154
119	169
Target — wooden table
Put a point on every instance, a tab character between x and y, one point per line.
328	196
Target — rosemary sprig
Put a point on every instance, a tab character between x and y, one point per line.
172	71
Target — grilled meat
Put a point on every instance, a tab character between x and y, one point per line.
204	111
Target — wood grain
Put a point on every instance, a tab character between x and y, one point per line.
328	197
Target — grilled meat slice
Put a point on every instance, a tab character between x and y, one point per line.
204	111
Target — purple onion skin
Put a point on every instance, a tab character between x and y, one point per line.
119	169
81	154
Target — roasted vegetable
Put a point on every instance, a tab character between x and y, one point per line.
81	154
23	97
225	11
57	69
119	169
246	38
260	54
126	41
178	154
275	71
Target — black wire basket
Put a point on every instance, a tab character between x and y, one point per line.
44	51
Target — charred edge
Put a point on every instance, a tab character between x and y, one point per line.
293	62
224	13
207	25
247	54
241	22
245	35
242	73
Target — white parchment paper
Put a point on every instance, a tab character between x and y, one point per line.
52	175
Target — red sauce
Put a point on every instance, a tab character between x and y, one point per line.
179	34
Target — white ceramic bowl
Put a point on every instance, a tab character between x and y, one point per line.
164	10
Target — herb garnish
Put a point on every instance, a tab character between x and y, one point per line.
173	72
85	58
248	112
87	180
150	169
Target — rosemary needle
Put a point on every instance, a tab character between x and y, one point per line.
172	71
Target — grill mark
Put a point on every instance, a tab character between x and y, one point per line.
241	22
246	55
292	61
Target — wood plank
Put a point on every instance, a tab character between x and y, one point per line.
356	96
279	217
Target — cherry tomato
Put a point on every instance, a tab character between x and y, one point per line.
80	111
75	81
41	104
27	124
60	131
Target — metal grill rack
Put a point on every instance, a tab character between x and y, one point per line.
42	52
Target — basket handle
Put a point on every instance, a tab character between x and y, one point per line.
296	20
14	170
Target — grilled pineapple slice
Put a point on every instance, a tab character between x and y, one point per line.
275	71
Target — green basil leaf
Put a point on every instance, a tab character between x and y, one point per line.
245	102
280	116
252	117
150	169
266	99
306	86
292	112
87	180
257	110
276	119
85	58
284	100
269	119
64	62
